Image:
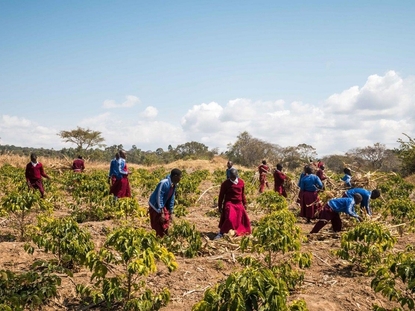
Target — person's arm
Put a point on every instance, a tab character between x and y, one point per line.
350	211
221	196
42	172
243	196
318	183
121	168
366	205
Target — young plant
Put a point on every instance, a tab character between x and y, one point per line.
271	201
402	212
183	239
63	238
396	280
135	252
275	233
21	204
28	290
365	245
250	289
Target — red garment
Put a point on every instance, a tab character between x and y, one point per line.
310	203
121	188
325	215
78	165
157	223
263	170
279	178
320	174
319	164
233	215
34	176
35	172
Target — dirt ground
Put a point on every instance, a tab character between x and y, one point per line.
330	283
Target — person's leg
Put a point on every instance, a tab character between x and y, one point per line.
318	226
336	222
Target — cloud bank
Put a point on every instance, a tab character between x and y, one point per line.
379	111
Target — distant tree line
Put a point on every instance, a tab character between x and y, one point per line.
247	151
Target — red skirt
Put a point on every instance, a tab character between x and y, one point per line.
121	188
310	204
157	223
234	217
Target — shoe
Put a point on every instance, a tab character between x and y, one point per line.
218	236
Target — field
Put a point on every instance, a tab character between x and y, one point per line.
330	283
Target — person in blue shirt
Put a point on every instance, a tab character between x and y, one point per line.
332	209
309	185
161	203
114	168
347	178
367	195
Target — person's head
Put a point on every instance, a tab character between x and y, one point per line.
229	164
233	173
33	157
375	194
175	176
322	167
117	155
264	162
279	167
308	169
122	154
347	171
80	157
357	198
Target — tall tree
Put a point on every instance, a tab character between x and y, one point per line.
82	138
406	154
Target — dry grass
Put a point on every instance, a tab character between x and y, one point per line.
62	164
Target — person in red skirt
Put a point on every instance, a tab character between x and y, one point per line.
263	170
121	186
309	185
34	173
279	178
232	206
161	203
78	165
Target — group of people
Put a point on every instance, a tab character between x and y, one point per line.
232	200
311	207
278	175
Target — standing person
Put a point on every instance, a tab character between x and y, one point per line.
332	209
263	170
229	166
367	195
347	178
78	165
161	203
279	178
309	184
121	187
232	206
34	173
114	168
322	175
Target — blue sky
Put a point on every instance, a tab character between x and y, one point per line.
333	74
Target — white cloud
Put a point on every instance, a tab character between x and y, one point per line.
130	102
378	111
149	112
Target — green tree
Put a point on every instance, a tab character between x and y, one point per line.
82	138
406	153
